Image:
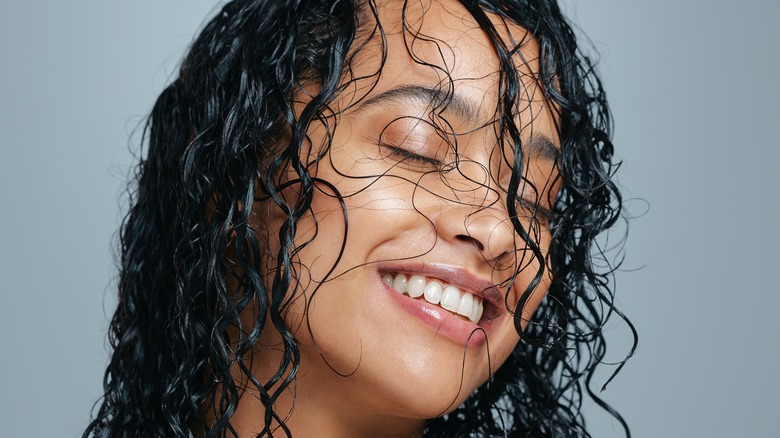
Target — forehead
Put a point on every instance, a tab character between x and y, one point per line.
439	45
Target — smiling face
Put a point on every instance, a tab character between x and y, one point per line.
402	306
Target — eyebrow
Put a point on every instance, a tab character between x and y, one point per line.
432	97
437	98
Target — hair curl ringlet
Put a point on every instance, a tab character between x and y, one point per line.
203	278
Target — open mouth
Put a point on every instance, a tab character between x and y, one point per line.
435	291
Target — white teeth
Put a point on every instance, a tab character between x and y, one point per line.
416	286
478	309
399	283
447	296
465	306
450	298
433	292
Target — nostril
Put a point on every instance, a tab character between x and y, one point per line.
477	243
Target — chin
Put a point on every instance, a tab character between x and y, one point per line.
437	389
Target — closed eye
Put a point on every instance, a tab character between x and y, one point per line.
537	210
405	155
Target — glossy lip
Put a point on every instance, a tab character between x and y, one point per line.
442	321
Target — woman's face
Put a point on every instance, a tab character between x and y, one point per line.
424	191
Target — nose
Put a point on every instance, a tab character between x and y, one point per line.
473	213
488	229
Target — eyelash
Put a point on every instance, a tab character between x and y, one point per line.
406	155
537	209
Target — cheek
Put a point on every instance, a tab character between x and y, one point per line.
530	268
533	303
348	220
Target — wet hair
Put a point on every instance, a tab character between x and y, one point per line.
226	136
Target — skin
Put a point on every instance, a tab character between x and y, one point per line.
368	366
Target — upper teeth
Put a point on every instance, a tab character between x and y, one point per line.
435	292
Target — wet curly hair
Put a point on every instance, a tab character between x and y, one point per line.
221	137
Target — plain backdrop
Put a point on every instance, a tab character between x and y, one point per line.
694	90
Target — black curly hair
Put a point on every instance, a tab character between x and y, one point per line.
228	134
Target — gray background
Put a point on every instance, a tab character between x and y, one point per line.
693	86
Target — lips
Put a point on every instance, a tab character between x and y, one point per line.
439	295
438	292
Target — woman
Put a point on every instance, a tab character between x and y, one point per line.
367	218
